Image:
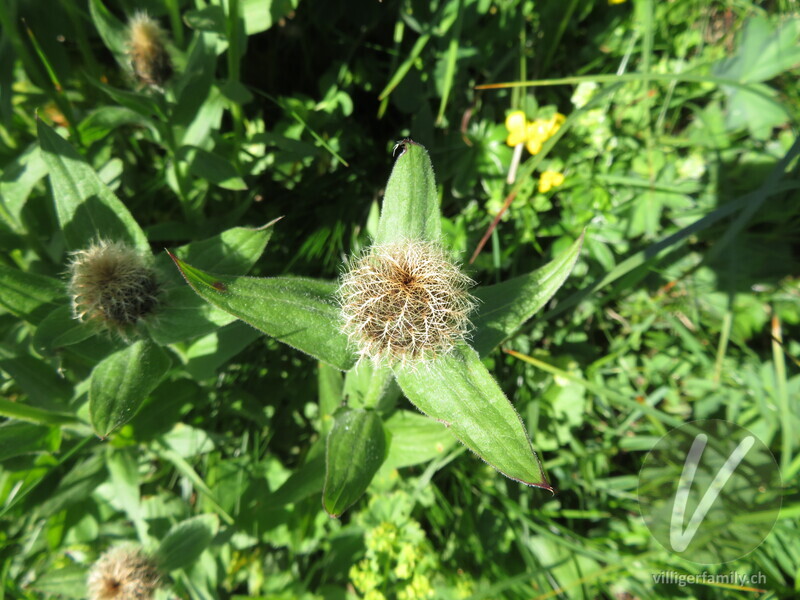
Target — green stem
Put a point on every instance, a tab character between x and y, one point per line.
377	386
175	22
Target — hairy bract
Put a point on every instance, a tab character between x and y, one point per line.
405	301
112	285
123	574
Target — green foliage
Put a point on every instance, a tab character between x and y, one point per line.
668	194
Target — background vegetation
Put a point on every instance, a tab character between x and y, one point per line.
679	157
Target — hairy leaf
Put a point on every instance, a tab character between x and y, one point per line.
410	209
87	209
506	306
457	390
121	382
299	312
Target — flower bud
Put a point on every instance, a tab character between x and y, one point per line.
111	284
405	302
123	574
149	57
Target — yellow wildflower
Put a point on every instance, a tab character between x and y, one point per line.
616	1
549	180
516	125
532	133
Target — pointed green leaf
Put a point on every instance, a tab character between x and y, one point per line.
87	209
355	451
410	209
112	31
505	307
120	383
185	542
457	390
299	312
234	251
183	314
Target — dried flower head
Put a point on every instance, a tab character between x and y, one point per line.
112	285
404	302
149	57
123	574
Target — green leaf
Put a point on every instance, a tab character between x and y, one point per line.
505	307
207	354
260	15
211	167
355	451
234	251
39	380
183	315
60	329
457	390
307	480
25	438
86	207
120	383
69	582
210	18
410	208
185	542
299	312
330	385
28	296
765	51
16	183
415	439
112	31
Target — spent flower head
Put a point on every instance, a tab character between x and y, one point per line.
405	301
112	285
123	574
147	47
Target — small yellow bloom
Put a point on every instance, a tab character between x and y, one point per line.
515	123
616	1
532	133
549	180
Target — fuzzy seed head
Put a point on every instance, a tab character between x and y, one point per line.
112	285
123	574
405	302
149	57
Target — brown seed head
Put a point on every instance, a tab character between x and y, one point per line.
112	285
149	57
123	574
405	302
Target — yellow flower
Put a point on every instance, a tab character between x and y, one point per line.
532	133
549	180
515	123
616	1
